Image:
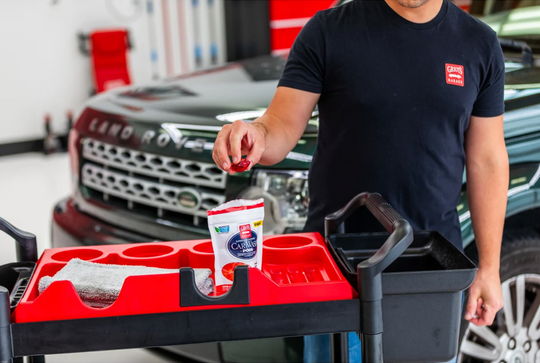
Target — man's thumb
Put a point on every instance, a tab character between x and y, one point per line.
471	307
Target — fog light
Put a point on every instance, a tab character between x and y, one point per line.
286	199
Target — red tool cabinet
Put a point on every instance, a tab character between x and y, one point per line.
109	56
288	17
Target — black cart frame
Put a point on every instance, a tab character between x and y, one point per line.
362	315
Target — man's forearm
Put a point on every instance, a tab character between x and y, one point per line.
284	122
278	140
487	187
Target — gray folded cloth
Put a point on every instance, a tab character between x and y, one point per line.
99	285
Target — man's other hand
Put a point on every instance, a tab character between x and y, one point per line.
487	191
485	298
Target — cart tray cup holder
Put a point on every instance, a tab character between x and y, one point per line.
414	281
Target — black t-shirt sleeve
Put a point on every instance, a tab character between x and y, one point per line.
305	65
490	99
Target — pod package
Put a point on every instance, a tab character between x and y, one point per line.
236	228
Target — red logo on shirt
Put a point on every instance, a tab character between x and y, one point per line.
245	231
455	74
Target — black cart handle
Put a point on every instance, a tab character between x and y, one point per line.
400	239
376	204
26	242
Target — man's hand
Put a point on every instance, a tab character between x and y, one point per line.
485	298
269	139
239	138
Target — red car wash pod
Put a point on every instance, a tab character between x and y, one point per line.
241	166
236	228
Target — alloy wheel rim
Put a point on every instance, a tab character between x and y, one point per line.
515	335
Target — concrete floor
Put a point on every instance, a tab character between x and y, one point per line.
30	185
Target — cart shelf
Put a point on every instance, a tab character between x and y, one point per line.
300	290
185	327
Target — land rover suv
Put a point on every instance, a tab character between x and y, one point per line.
141	161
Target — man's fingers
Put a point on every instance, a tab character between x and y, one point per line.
220	153
488	316
480	308
486	319
217	159
479	313
472	305
238	131
255	154
475	321
484	314
229	142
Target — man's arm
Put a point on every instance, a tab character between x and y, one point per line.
487	189
271	137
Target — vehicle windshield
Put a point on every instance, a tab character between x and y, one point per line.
519	24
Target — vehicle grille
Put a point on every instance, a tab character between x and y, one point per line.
151	184
190	172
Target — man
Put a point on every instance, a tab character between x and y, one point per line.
409	92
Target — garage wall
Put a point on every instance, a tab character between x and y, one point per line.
42	70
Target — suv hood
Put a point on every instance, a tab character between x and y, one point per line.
209	98
180	117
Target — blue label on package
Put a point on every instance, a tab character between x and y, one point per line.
243	249
224	229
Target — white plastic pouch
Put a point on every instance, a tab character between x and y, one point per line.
236	228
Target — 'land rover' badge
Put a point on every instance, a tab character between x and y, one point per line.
189	199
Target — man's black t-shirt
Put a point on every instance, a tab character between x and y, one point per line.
396	99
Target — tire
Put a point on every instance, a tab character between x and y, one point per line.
509	341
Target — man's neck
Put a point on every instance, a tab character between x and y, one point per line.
420	15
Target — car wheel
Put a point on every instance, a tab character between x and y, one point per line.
515	335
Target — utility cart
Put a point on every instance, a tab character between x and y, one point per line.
307	285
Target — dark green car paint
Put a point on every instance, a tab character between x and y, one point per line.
522	134
523	182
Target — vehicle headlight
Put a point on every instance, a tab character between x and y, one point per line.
286	199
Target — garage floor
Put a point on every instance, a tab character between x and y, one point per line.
30	185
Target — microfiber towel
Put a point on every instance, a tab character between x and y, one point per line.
99	285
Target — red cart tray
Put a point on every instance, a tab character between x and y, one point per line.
296	269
